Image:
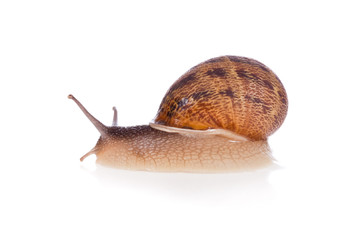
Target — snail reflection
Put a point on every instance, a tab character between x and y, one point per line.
215	118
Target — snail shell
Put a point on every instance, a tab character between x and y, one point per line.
233	93
214	118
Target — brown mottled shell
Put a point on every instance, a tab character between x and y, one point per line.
229	92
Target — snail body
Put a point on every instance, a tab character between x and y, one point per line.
216	117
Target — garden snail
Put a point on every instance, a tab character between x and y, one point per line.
216	117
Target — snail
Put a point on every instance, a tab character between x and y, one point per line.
215	118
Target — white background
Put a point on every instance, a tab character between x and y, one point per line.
127	53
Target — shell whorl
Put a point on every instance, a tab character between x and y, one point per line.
229	92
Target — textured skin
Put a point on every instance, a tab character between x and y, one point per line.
229	92
145	148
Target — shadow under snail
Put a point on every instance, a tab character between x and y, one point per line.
215	118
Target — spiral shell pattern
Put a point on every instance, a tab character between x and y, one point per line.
229	92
